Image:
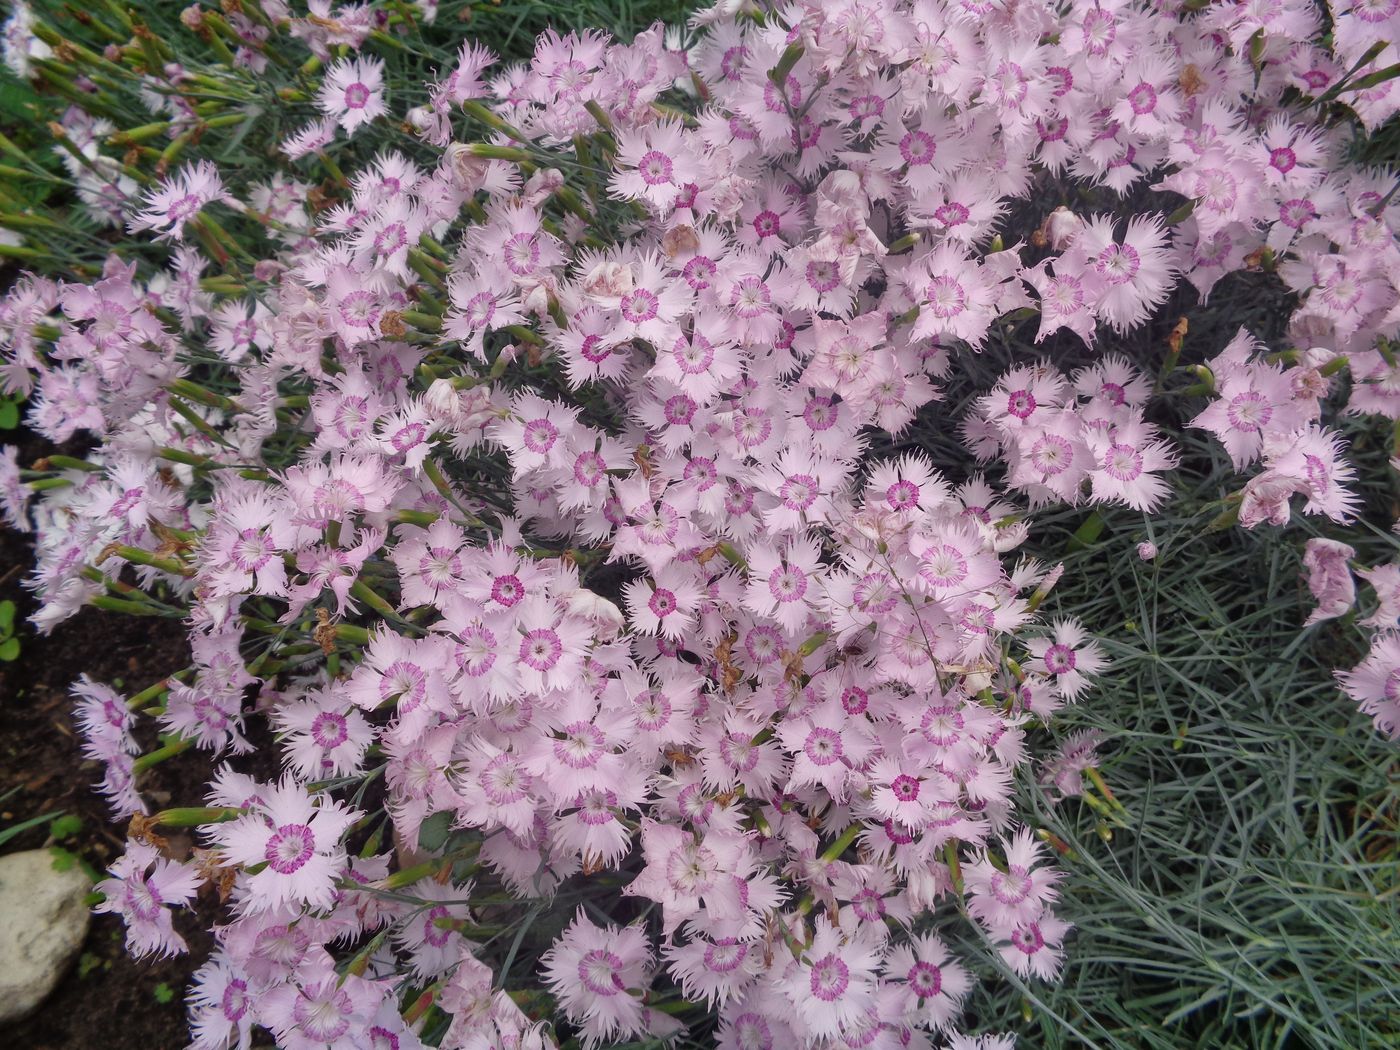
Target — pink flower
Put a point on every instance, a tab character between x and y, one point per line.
534	433
242	550
178	199
594	972
957	299
715	970
1068	657
653	164
907	485
834	983
430	937
322	1010
1375	684
143	890
1326	563
103	718
928	984
783	587
1135	276
1311	461
324	736
1034	946
478	308
222	1006
431	562
1003	900
352	92
1385	580
1130	458
209	714
296	835
1256	398
825	749
1065	768
666	603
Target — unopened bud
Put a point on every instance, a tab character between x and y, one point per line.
1061	226
541	184
679	240
442	399
468	170
609	279
605	616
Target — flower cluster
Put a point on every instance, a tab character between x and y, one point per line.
547	474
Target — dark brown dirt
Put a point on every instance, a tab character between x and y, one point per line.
107	999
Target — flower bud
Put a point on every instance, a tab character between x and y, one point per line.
443	400
1060	228
541	184
609	279
468	170
606	616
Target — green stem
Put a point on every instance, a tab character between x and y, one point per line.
160	754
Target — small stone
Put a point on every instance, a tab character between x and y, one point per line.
43	920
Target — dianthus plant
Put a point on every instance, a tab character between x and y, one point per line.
531	455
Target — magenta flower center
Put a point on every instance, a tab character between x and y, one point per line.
1118	263
1123	462
1020	403
830	978
356	96
787	583
766	224
143	899
798	492
1249	411
905	788
1282	160
946	296
322	1012
289	848
925	979
917	147
902	495
1052	454
1028	938
539	436
503	781
823	746
253	550
662	602
329	730
640	306
540	649
655	168
601	972
234	1002
944	566
1012	886
1143	99
1059	659
183	208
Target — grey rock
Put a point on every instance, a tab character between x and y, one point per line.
43	921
